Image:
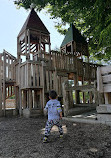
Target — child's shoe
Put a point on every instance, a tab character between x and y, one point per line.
61	135
45	140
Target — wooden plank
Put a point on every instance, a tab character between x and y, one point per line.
25	74
34	74
30	99
47	80
9	67
41	76
26	42
29	41
43	81
21	77
50	74
0	86
12	69
107	88
103	109
82	88
4	87
99	80
24	99
105	69
20	91
37	74
31	87
29	74
65	100
106	78
16	97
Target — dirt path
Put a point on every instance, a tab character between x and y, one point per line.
22	138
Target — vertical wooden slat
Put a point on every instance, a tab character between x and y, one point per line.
47	79
20	91
43	84
24	99
25	75
41	76
12	69
99	80
0	86
34	74
4	78
37	69
29	43
35	99
16	97
8	67
26	44
29	74
30	99
50	75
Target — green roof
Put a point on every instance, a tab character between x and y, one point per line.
73	35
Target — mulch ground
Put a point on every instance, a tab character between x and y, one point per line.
22	138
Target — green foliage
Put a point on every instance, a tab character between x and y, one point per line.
12	97
92	17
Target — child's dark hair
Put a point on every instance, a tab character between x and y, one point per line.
52	94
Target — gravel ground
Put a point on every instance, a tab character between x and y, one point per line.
22	138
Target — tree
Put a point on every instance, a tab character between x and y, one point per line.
91	17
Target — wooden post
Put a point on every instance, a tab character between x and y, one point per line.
77	99
18	48
30	99
12	74
43	80
28	43
4	78
34	68
27	98
0	86
20	91
40	52
9	68
35	99
65	100
24	99
49	45
16	97
55	81
50	51
41	99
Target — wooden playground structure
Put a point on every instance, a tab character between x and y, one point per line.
37	69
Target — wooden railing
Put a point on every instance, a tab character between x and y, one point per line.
69	91
7	66
29	74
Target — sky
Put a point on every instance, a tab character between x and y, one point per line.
11	22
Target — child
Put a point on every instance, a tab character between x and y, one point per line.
54	110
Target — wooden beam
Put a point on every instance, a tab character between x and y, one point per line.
0	87
4	87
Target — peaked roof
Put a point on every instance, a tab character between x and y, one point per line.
73	35
34	22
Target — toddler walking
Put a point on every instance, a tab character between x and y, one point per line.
54	110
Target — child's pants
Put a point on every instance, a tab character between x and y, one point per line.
50	124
